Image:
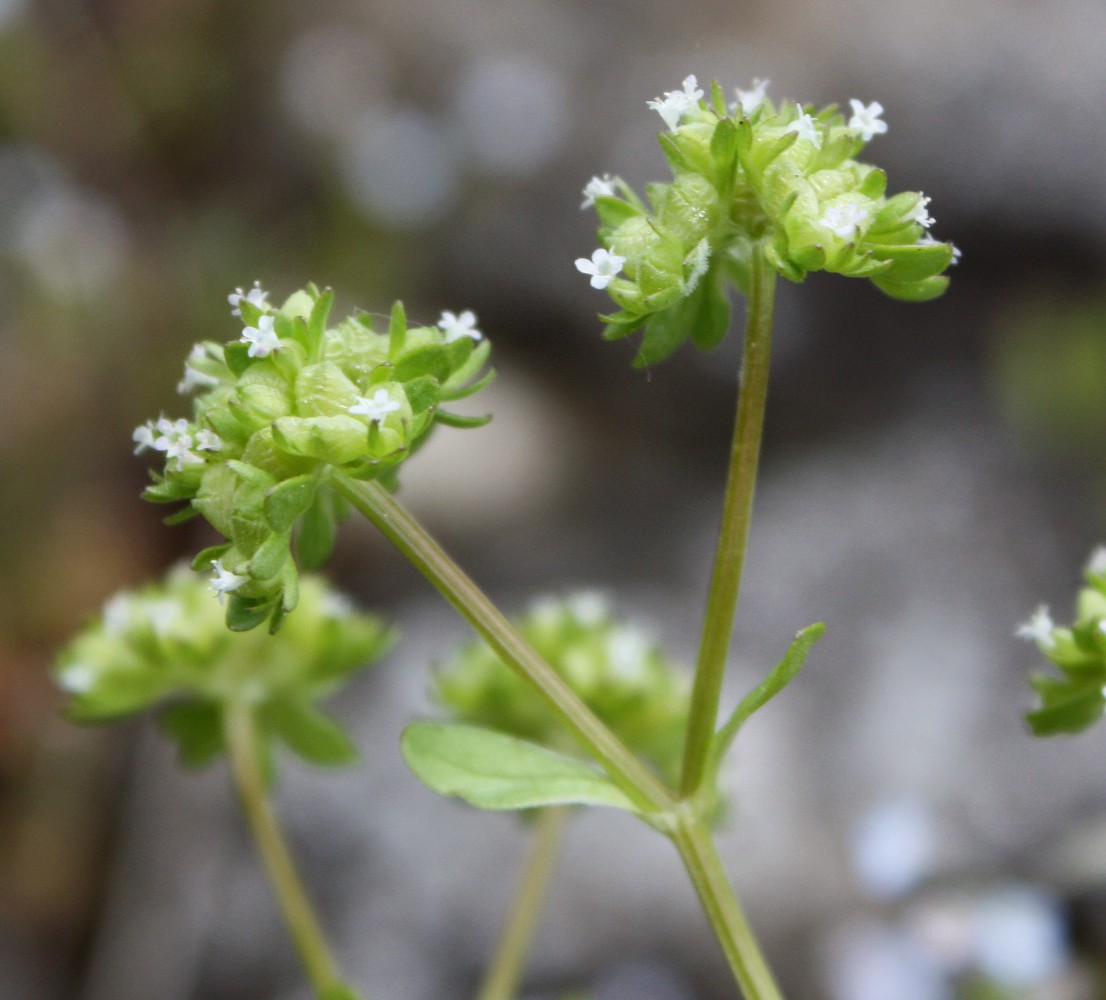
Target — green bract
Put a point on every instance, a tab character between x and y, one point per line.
166	644
782	181
1077	699
277	411
621	676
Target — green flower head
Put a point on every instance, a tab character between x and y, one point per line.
1076	699
166	645
752	177
618	672
276	412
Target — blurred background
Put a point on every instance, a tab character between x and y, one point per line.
931	474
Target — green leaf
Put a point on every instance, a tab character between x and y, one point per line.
914	262
185	514
723	149
243	614
288	501
340	992
316	323
708	313
422	393
237	357
1065	707
432	359
490	770
913	291
205	557
310	733
782	674
397	331
666	331
315	541
457	420
267	561
197	727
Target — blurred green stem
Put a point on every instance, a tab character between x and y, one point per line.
249	776
501	982
737	512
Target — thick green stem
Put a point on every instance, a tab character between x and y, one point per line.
380	507
737	512
517	935
249	776
700	857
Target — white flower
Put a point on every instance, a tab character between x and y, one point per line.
208	440
597	187
144	437
117	614
456	327
588	607
1096	565
676	103
77	678
179	450
223	581
921	214
628	650
261	338
1038	629
844	220
806	128
866	119
256	296
193	377
749	100
376	408
603	267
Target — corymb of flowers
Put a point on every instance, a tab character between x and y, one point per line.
281	410
748	177
1076	698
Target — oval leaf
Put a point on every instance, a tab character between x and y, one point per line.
491	770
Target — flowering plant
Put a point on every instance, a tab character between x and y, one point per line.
296	422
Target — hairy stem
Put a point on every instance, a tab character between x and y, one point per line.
380	507
501	982
249	777
737	512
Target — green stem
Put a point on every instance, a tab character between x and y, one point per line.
502	979
380	507
737	512
249	776
700	857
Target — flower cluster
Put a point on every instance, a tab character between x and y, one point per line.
750	176
281	409
1077	699
619	673
167	644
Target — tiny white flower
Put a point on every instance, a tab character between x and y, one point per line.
164	613
921	214
1096	565
806	128
749	100
1038	629
337	605
603	267
261	338
597	187
144	437
256	296
170	430
456	327
77	678
844	220
117	613
866	119
627	649
223	581
588	607
676	103
195	379
208	440
376	408
180	451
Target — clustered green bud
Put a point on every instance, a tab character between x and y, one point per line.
753	177
1077	699
621	675
166	644
278	411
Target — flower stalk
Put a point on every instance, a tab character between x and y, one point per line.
299	915
737	514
